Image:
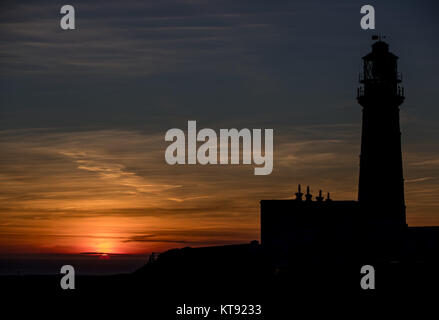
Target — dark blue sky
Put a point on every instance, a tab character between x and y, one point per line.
156	64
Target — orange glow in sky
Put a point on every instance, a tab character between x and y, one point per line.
112	192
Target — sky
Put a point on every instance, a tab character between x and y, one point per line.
83	116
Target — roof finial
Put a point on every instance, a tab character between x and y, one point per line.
378	37
308	195
320	197
299	194
328	198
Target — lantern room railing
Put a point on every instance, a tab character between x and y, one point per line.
362	79
399	92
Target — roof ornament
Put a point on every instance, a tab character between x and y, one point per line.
299	194
328	198
320	197
308	195
378	37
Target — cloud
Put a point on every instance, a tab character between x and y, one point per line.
100	188
126	39
418	179
104	190
430	162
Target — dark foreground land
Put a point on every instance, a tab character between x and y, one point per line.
238	275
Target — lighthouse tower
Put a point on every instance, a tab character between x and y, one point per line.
381	184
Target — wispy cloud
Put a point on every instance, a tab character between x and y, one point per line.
125	39
418	179
429	162
79	180
112	188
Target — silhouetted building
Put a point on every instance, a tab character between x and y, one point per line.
381	159
376	220
307	227
299	235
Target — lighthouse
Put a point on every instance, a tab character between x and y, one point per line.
381	183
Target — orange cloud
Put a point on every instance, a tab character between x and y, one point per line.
111	190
